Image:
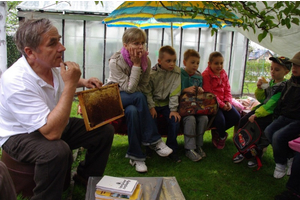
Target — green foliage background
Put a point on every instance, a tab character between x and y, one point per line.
12	52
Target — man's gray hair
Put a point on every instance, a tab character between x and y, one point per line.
29	33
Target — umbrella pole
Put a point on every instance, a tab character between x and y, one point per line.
172	33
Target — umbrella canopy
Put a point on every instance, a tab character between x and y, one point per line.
152	23
154	14
162	12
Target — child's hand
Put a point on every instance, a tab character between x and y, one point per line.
153	113
227	106
135	56
252	118
200	90
176	116
259	83
190	89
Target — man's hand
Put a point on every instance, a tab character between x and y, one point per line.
176	116
93	83
70	73
153	113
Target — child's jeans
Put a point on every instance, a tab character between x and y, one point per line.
225	120
194	127
140	124
173	127
279	133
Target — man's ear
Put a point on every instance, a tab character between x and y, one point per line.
29	52
159	61
184	63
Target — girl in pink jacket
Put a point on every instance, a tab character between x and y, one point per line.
215	80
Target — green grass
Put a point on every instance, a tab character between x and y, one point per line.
249	88
213	177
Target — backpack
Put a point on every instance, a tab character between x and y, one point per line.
246	139
203	104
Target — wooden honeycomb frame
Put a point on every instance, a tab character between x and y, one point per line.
100	106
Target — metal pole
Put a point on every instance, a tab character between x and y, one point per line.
63	35
162	37
245	64
172	34
231	49
199	37
84	41
104	54
180	46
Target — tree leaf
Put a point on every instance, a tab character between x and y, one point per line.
262	36
295	21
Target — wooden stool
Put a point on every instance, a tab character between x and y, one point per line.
22	175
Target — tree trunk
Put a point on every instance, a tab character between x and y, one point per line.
3	51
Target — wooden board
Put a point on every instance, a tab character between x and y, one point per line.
100	106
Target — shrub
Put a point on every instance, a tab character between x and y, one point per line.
12	52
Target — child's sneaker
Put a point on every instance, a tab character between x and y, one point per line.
289	166
161	149
200	151
221	142
140	166
239	158
215	137
252	163
174	157
193	155
279	171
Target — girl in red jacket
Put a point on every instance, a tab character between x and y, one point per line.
215	80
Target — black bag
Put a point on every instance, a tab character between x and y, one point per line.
246	139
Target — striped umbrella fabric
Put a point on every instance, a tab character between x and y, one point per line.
162	12
156	14
152	23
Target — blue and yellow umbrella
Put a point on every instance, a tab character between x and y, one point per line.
156	14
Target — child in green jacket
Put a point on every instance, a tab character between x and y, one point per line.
268	97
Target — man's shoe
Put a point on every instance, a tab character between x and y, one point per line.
279	171
193	155
200	151
161	149
239	158
140	166
80	180
215	137
252	163
289	166
174	157
221	142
